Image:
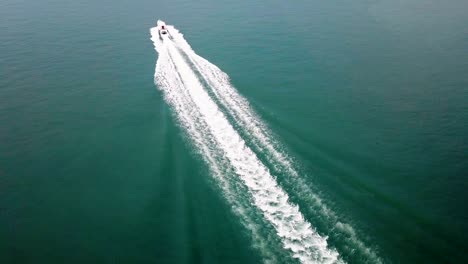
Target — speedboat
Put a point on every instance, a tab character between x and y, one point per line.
162	30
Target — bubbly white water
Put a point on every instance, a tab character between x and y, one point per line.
221	145
239	109
177	96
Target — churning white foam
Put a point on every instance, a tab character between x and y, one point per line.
238	108
193	106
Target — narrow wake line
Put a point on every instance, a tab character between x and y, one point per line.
296	233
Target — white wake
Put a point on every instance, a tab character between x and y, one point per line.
239	109
226	152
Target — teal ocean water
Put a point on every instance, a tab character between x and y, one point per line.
269	132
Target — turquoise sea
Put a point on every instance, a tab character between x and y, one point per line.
287	132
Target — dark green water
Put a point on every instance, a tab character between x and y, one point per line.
369	98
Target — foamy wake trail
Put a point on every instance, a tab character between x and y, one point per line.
224	149
263	142
190	119
176	95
